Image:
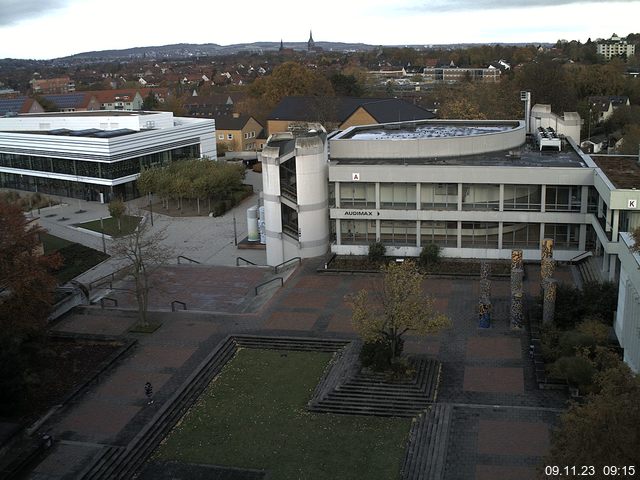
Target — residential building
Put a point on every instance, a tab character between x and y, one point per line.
490	74
129	99
478	189
238	132
52	85
13	106
95	155
341	112
73	102
602	107
615	47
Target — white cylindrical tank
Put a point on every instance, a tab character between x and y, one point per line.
252	224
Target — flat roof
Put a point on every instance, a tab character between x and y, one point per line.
91	113
525	156
623	171
411	131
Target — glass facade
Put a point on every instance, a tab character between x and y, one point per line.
479	234
398	232
444	234
521	235
522	197
480	196
357	232
358	195
560	198
565	236
439	196
398	196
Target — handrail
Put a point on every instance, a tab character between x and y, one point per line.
187	258
268	282
111	277
115	302
244	260
173	305
275	269
581	256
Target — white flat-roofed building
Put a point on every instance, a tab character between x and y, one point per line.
96	155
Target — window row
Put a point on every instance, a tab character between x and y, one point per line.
83	168
445	234
444	196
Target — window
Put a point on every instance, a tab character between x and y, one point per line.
221	136
229	136
357	195
444	234
439	196
398	232
479	235
398	196
521	235
477	196
246	136
562	198
565	236
357	232
522	197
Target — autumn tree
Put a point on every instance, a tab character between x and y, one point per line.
144	252
604	430
26	296
117	209
396	305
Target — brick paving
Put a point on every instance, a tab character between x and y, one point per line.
500	423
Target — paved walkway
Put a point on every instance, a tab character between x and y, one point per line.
501	422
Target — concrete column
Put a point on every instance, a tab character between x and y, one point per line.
418	236
500	235
501	201
459	201
338	232
613	259
377	230
600	205
378	201
608	221
541	234
336	192
615	225
605	261
418	196
459	240
543	199
582	239
584	199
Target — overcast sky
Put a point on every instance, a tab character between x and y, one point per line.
45	29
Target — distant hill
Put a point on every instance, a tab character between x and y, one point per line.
208	49
185	50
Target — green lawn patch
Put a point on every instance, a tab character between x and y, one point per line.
76	258
253	416
128	225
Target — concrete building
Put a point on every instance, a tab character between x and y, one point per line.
615	47
95	155
478	189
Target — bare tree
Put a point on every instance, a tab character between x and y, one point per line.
144	252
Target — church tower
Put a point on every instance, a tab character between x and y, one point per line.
311	44
281	45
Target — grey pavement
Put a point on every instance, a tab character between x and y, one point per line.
207	240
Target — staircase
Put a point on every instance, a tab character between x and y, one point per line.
425	457
590	270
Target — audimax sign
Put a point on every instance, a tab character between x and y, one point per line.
361	213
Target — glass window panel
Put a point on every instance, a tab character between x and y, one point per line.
444	234
522	197
480	196
361	232
521	235
479	235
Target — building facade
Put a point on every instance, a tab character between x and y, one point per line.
477	189
615	47
95	155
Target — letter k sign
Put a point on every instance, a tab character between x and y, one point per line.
632	203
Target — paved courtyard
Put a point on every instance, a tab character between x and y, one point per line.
501	422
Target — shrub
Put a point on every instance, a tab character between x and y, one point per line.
571	341
577	370
429	255
377	252
595	329
600	300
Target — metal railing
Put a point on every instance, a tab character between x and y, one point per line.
294	259
182	304
580	257
107	279
249	262
115	302
191	260
267	283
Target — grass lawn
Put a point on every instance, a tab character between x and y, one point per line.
253	416
128	225
76	258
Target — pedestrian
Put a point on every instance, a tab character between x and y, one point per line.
148	391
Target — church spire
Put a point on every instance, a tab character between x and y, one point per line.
311	44
281	45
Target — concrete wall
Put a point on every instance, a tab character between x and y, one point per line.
627	322
359	117
568	125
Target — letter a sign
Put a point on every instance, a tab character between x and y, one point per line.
355	177
632	203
